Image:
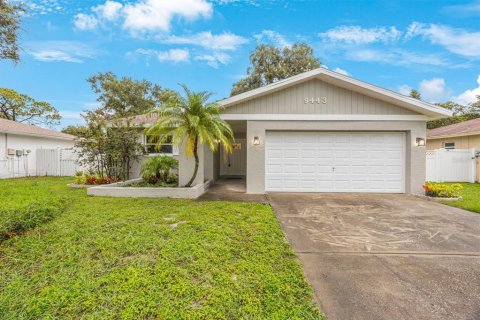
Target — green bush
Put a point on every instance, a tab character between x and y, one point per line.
159	170
442	190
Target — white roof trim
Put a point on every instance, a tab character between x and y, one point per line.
20	133
323	117
430	110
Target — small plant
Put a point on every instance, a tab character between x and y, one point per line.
87	178
158	169
442	190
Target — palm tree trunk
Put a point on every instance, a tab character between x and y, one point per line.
197	162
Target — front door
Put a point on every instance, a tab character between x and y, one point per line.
234	164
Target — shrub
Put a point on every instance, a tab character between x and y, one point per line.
86	178
442	190
158	169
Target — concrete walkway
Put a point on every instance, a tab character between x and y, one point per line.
231	189
385	256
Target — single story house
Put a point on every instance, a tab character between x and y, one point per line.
463	135
319	131
19	148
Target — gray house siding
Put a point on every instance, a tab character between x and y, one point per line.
339	101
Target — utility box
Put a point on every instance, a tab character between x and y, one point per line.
10	152
19	153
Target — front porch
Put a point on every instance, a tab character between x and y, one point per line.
231	189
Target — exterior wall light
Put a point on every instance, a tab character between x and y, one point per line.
420	142
256	141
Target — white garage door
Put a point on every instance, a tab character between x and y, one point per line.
335	162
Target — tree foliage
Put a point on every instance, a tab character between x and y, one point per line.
192	121
460	113
10	15
127	97
415	94
269	64
109	148
75	130
22	108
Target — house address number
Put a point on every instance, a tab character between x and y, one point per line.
317	100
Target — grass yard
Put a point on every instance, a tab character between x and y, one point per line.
24	206
113	258
471	197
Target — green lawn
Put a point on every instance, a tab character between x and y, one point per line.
26	205
471	197
111	258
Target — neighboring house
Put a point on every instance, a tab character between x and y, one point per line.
20	144
321	131
463	135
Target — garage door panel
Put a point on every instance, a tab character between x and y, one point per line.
335	161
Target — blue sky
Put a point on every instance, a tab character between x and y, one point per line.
433	46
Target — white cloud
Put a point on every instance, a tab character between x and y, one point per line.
341	71
64	51
143	16
67	114
433	90
110	10
359	35
397	57
404	89
214	60
464	9
455	40
468	96
224	41
272	36
172	55
156	15
85	21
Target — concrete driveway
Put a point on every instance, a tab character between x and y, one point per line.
383	256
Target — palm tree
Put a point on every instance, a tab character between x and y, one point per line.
191	119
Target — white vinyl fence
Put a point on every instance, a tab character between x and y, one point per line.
457	165
56	162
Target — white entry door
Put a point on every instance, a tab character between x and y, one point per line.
335	162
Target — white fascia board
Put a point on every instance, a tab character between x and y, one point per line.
323	117
433	111
19	133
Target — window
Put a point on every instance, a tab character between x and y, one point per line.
449	145
152	146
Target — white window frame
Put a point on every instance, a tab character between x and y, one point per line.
450	147
174	152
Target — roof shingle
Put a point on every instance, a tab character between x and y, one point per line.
466	128
13	127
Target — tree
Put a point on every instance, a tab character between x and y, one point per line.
475	106
191	120
415	94
107	148
270	64
75	130
22	108
10	15
460	113
127	97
